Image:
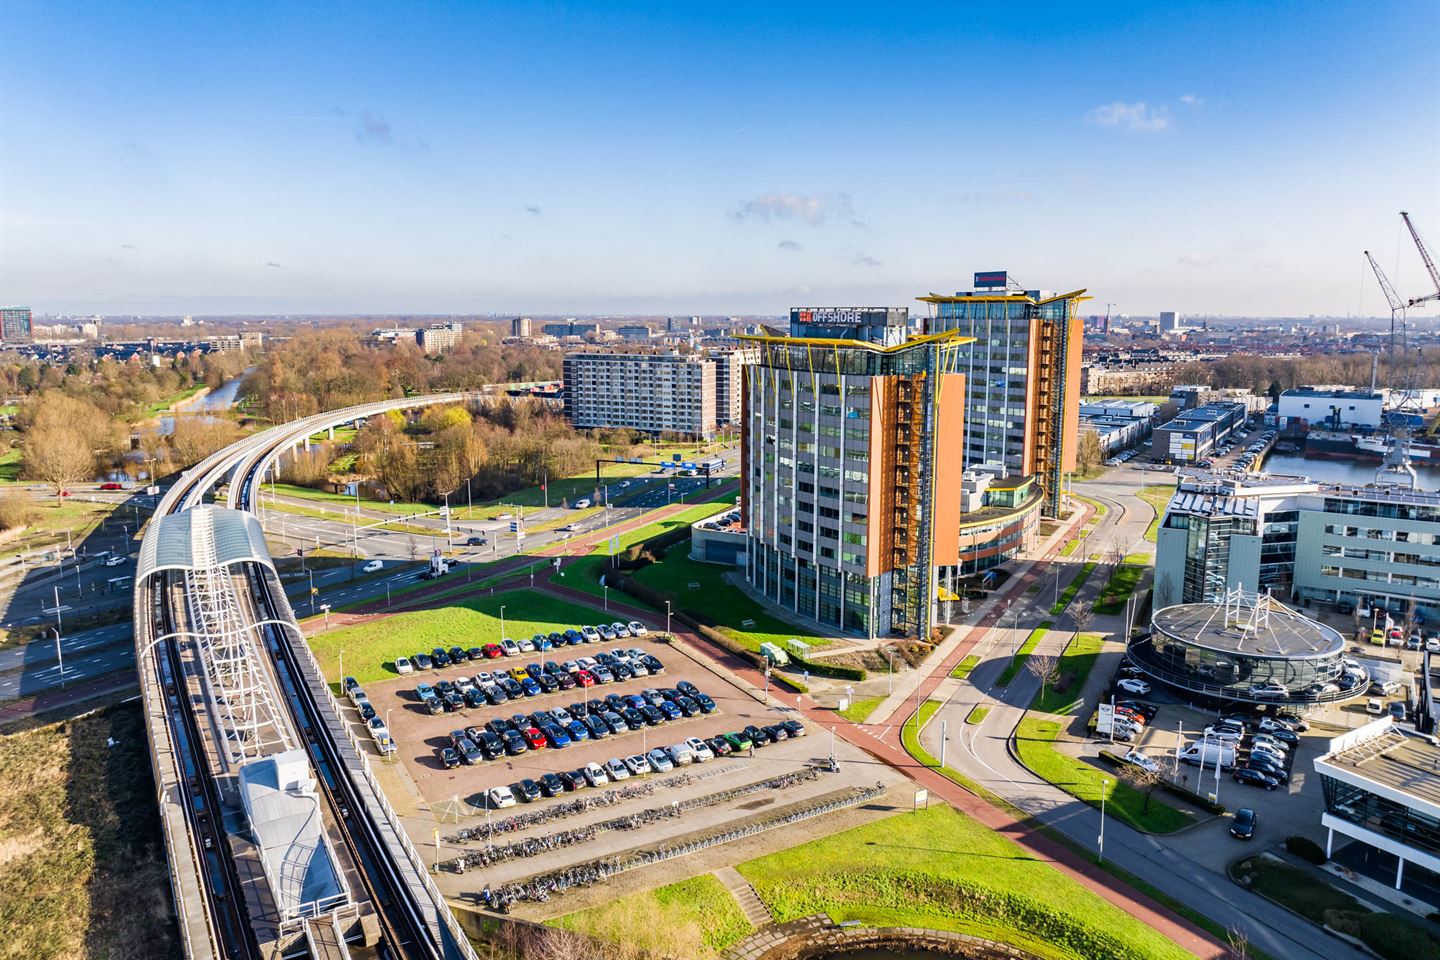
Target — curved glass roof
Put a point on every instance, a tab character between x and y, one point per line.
201	537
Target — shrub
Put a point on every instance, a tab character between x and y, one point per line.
1395	938
15	512
1305	849
1344	921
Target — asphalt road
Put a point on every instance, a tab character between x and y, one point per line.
33	668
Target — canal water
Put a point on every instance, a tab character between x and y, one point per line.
216	401
1341	471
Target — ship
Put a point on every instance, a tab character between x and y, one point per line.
1378	445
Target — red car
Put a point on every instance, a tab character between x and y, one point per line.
492	651
535	739
111	486
584	678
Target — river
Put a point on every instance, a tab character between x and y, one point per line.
1341	471
219	400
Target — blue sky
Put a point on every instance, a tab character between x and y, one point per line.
688	158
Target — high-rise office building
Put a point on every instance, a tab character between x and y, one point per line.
1167	321
1022	375
654	392
520	327
850	503
15	324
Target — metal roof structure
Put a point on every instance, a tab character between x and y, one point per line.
1249	625
198	537
280	801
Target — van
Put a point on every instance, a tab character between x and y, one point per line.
372	566
1206	753
582	504
1374	707
680	754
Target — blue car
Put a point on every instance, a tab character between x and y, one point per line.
531	688
637	701
671	711
541	642
577	731
557	737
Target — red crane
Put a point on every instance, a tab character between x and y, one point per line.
1429	264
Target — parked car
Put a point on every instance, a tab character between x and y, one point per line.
700	749
1269	690
527	789
1252	777
637	629
1133	685
449	759
500	797
659	761
595	775
637	765
1139	759
551	785
615	769
680	754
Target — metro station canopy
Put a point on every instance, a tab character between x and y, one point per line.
200	538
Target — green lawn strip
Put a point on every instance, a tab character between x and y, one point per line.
910	739
1017	662
938	869
977	715
1391	935
161	406
1158	496
1075	663
698	910
1073	588
1069	548
1035	744
10	465
371	648
1121	585
722	603
963	668
860	709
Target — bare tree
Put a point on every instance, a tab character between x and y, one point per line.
1081	614
1238	944
1165	591
1044	668
64	438
1143	780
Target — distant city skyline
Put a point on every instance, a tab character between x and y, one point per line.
1204	158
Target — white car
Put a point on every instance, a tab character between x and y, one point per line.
1139	759
511	648
616	769
621	629
1224	732
115	561
373	565
500	798
590	634
526	646
582	504
595	775
403	665
637	629
701	749
1131	685
637	765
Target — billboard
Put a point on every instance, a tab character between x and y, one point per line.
994	278
849	315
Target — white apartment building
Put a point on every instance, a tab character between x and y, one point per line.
654	392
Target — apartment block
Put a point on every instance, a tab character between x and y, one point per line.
654	392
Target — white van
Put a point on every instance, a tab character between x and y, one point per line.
372	566
581	504
1205	753
680	754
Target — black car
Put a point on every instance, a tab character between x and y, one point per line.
793	727
706	704
367	712
444	687
514	743
499	725
1243	826
688	707
548	683
441	658
1254	778
566	681
458	655
449	758
1344	607
620	672
527	790
1289	737
474	541
452	702
490	745
652	715
557	639
573	780
475	653
551	785
578	710
720	746
634	719
423	661
350	684
615	702
468	751
474	697
687	688
494	695
756	736
597	727
512	686
535	671
653	664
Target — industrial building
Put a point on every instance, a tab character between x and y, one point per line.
654	392
1022	378
1332	408
1245	648
1373	545
849	502
1381	790
1195	434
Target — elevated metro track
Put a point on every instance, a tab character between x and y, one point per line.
227	679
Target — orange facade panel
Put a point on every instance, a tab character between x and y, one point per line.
949	465
878	535
1070	422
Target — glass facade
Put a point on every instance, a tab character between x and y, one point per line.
1379	815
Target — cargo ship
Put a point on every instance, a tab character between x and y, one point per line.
1330	445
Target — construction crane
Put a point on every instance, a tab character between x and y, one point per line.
1397	306
1425	256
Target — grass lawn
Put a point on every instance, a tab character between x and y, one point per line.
1034	741
1122	585
83	863
938	869
1073	588
160	406
1075	664
713	597
1017	663
696	918
1070	547
963	668
371	648
977	715
1158	496
10	465
860	709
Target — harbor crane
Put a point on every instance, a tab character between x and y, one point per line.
1424	256
1397	306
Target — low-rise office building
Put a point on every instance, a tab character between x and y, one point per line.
1367	546
1332	408
1196	433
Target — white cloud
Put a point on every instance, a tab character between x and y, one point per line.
1191	100
1196	259
1131	116
814	209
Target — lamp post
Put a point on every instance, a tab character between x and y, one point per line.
59	657
1104	785
325	608
667	617
502	621
606	588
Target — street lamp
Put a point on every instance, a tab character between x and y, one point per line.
312	591
502	621
667	616
1104	785
606	588
325	608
